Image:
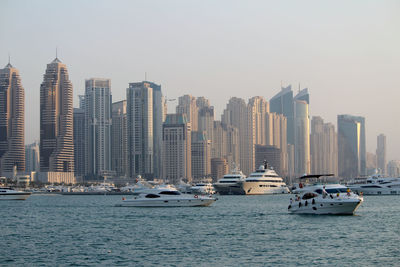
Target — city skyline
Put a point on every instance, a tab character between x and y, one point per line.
348	64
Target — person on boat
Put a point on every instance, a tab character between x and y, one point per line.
324	193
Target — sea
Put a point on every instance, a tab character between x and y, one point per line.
57	230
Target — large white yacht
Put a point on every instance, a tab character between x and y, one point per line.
230	183
376	185
264	181
7	193
166	197
203	189
335	199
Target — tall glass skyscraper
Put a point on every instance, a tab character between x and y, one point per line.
351	146
282	103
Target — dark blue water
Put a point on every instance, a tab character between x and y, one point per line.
235	231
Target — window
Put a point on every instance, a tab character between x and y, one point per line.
170	193
152	196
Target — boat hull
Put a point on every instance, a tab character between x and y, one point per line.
252	188
194	202
15	196
346	207
229	189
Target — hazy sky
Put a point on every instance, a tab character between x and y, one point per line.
346	52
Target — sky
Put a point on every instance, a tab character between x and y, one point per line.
346	52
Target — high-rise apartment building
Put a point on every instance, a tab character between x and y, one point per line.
188	105
237	115
302	133
140	130
271	154
56	120
206	120
393	168
32	158
282	103
119	143
351	146
258	111
201	155
381	154
79	142
323	146
177	149
159	113
98	101
12	121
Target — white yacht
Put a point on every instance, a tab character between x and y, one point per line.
203	189
376	185
7	193
166	197
264	181
334	199
230	183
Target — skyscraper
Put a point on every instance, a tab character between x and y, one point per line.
98	126
282	103
56	120
32	163
159	113
351	146
381	154
323	147
119	143
201	155
236	114
188	105
12	121
302	133
225	143
177	157
206	120
140	130
79	142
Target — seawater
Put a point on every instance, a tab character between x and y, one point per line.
56	230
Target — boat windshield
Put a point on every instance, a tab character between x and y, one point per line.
170	193
336	190
152	196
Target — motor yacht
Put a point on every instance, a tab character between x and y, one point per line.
376	185
202	189
166	197
230	183
7	193
335	199
264	181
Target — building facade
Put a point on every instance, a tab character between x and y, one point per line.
219	167
302	133
201	156
12	121
32	158
119	143
177	149
98	101
140	130
79	142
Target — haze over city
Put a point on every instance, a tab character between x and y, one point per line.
346	53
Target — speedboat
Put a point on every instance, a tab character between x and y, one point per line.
376	185
166	197
7	193
230	183
203	189
264	181
335	199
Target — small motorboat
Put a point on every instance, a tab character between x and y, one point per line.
335	199
7	193
166	197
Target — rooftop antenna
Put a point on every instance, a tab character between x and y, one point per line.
56	52
9	60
